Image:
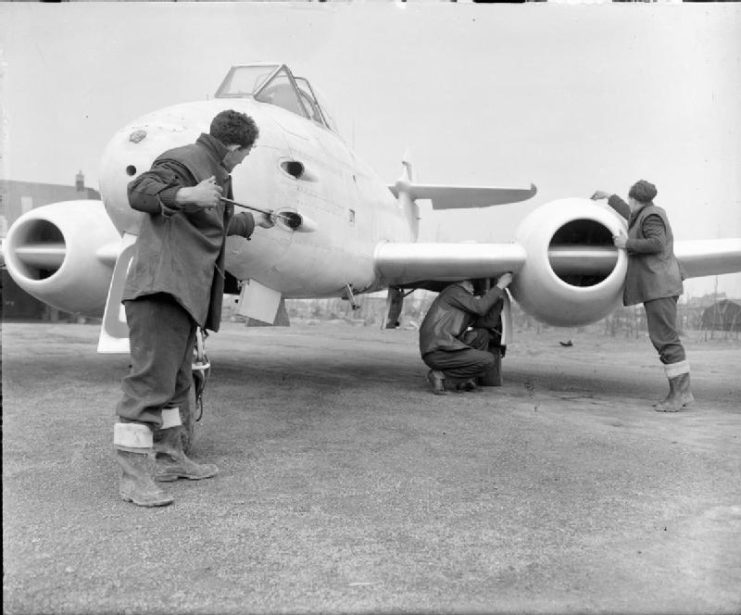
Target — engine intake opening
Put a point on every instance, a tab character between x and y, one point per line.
581	253
40	248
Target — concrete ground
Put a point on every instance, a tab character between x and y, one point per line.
346	487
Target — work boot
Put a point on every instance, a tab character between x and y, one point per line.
679	395
437	380
470	386
684	388
171	461
132	443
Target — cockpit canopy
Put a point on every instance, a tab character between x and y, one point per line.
276	85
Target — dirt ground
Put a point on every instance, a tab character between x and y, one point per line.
346	487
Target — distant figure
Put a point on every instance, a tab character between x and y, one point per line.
175	284
395	302
456	355
654	278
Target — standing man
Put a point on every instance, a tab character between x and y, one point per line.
441	335
175	284
654	278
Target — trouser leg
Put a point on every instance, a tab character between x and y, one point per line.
161	334
184	377
477	338
459	365
661	318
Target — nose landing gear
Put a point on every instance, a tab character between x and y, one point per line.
200	369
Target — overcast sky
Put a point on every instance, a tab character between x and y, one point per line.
572	98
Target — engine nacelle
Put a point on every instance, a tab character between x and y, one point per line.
63	254
573	274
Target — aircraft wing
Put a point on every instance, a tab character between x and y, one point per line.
561	284
463	197
709	256
402	264
567	270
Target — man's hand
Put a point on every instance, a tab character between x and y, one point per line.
600	194
504	280
265	221
620	240
204	195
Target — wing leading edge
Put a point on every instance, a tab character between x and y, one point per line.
702	257
463	197
401	264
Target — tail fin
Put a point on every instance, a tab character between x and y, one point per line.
402	190
406	163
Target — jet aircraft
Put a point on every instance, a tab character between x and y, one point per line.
340	230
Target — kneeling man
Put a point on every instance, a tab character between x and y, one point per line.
441	336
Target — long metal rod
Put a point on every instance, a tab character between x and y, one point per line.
267	212
293	220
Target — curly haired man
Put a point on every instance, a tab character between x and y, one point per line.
175	284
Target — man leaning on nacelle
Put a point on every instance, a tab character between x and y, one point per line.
654	278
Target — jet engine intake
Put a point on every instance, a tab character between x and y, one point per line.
573	274
63	254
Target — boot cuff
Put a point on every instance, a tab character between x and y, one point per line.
134	437
170	418
677	369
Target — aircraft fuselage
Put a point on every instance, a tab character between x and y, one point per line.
296	165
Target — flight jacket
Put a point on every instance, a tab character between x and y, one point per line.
452	311
653	270
180	248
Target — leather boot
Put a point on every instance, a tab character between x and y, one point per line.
470	386
171	461
437	379
684	388
134	453
673	401
679	395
